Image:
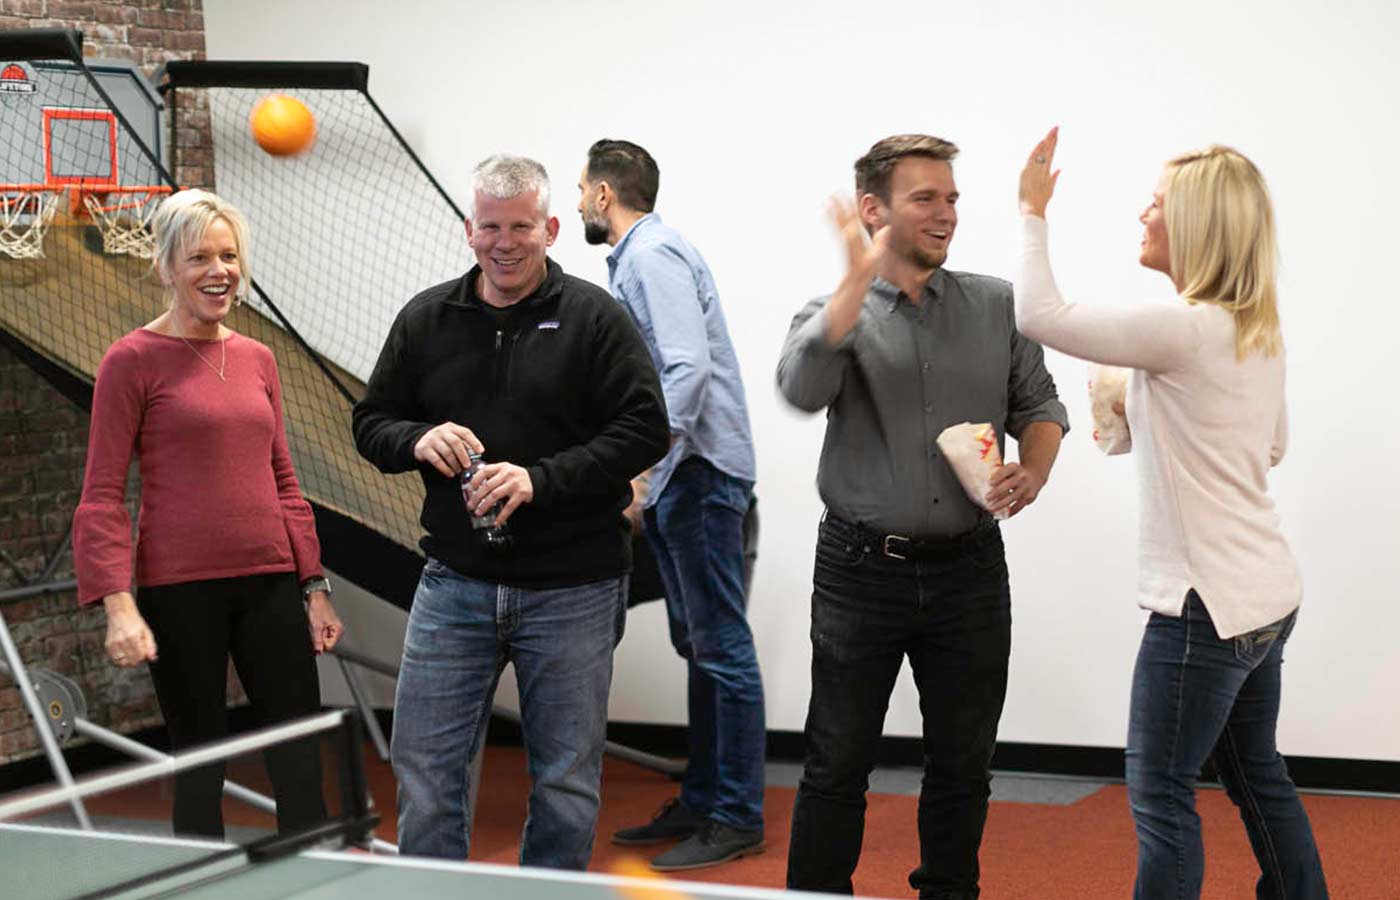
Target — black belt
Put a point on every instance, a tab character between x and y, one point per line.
903	547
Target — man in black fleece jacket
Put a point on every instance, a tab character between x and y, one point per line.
545	377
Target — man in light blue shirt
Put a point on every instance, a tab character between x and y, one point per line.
694	508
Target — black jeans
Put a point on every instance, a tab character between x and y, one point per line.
952	618
260	621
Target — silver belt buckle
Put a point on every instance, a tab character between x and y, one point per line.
890	553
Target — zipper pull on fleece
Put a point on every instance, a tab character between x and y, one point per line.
498	339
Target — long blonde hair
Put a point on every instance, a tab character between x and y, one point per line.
1220	228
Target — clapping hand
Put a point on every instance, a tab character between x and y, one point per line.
1039	176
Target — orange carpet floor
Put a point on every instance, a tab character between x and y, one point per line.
1082	851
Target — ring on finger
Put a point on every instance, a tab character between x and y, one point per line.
1040	160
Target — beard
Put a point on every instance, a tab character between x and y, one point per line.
595	232
595	227
917	256
927	259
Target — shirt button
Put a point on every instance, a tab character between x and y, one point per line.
925	367
935	499
928	407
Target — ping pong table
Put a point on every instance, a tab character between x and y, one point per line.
47	863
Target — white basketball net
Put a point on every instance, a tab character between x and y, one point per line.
24	217
125	223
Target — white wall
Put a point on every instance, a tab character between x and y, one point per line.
756	112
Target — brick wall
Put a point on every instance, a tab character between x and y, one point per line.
148	33
43	442
43	436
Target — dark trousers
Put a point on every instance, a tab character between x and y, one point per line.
260	621
951	617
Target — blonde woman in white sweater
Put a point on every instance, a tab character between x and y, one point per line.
1205	408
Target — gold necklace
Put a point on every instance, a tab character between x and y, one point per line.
223	351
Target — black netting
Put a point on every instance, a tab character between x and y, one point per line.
342	236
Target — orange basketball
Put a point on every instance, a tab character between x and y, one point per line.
282	125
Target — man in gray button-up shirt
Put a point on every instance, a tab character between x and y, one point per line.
907	563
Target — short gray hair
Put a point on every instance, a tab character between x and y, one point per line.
180	223
503	177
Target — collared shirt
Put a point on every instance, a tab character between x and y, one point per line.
668	289
903	374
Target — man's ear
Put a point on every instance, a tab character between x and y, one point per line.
551	231
874	214
605	197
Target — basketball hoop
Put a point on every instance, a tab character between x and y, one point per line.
124	219
25	213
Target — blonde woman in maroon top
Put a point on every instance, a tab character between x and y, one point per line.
226	560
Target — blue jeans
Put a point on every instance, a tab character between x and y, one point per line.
461	634
951	616
1197	696
695	529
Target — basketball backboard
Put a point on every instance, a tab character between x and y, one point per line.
63	132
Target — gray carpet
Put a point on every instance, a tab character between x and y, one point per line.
1006	787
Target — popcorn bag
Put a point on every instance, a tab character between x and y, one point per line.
972	452
1109	385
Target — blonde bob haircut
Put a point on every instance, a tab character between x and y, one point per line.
180	224
1220	228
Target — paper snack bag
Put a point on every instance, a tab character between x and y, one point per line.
1109	385
972	452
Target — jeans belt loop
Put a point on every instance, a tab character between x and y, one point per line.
886	549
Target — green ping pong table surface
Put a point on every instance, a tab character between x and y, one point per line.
47	863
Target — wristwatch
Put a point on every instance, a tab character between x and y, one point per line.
318	583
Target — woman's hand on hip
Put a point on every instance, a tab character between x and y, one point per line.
1039	176
129	640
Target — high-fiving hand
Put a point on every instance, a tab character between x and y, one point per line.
863	252
864	256
1039	176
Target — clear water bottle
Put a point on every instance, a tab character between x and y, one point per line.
493	536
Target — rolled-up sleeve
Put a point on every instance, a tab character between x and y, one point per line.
1031	393
811	370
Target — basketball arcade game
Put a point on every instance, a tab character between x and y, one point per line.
79	184
74	165
121	212
74	160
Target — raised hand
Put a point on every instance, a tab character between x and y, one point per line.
1039	176
863	258
863	253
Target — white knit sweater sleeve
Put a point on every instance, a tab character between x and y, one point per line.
1154	339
